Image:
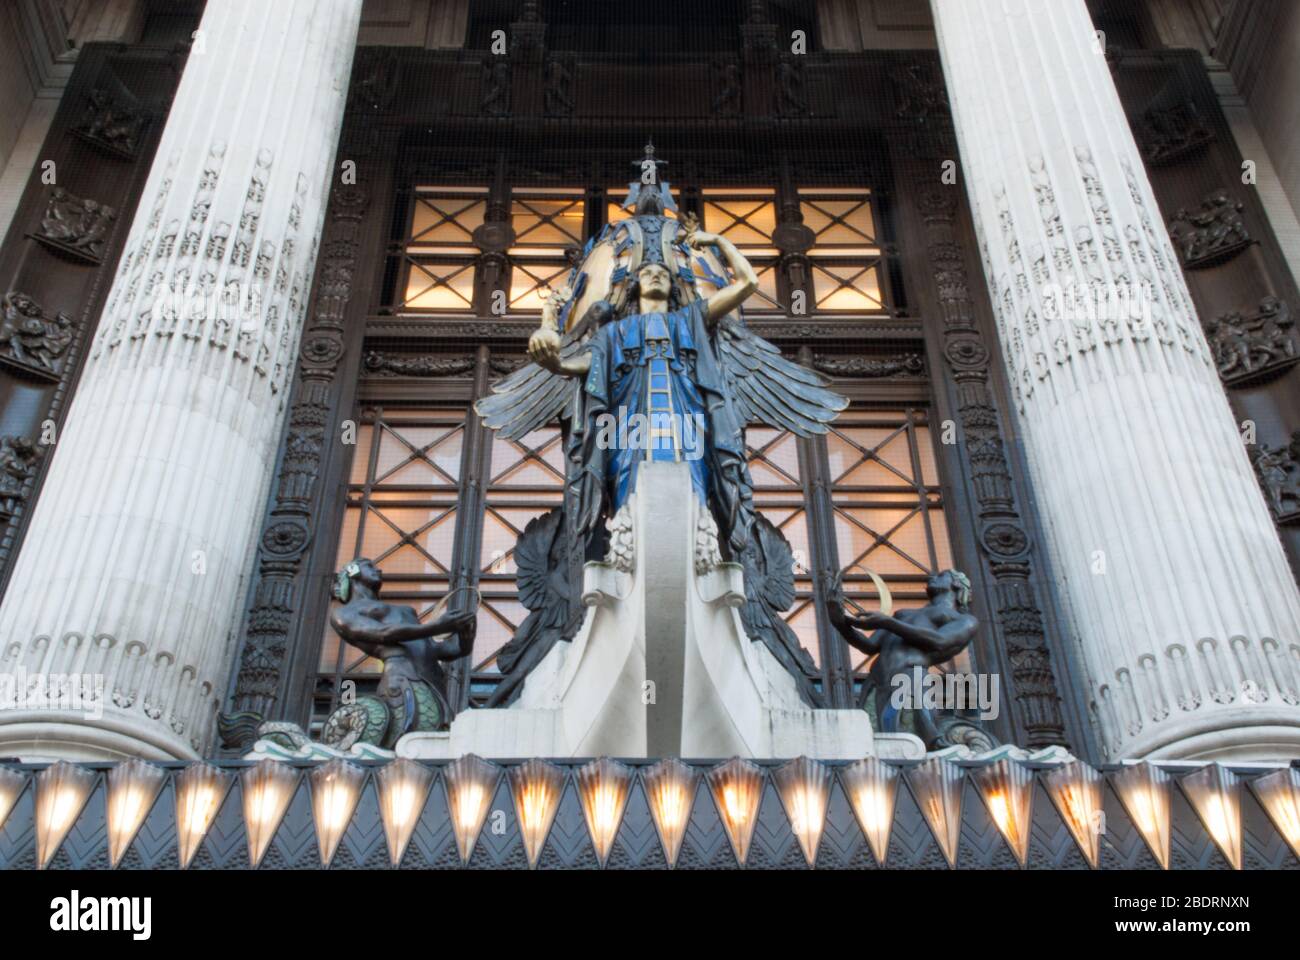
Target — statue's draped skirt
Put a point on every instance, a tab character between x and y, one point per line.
644	367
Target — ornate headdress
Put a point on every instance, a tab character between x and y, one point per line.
650	200
343	582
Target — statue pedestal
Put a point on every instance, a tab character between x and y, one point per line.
661	666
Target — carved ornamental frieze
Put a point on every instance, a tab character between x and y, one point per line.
1211	234
19	457
902	366
1003	539
75	227
1279	476
33	343
1170	134
1250	346
111	126
380	363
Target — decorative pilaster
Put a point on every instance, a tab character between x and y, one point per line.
1176	588
134	567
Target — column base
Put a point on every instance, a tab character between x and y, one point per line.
35	736
1232	735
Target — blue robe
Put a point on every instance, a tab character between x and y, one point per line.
660	371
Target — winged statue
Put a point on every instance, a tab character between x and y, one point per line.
643	354
648	333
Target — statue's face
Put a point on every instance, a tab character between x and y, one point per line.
656	284
369	574
940	583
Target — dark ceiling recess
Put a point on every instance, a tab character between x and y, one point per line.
665	26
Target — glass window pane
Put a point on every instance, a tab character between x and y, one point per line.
745	222
845	220
846	287
361	453
550	220
433	285
531	282
439	220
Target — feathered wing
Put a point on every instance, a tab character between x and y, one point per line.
767	388
533	560
531	397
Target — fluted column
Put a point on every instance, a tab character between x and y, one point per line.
135	564
1177	591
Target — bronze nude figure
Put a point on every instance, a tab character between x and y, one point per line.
412	693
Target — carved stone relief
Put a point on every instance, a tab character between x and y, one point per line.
18	460
1002	536
1249	346
111	126
75	227
1279	475
32	342
1211	234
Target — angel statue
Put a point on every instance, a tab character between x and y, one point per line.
643	355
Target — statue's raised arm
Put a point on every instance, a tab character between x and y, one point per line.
734	294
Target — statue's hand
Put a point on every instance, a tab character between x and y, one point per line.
875	620
699	239
544	349
467	626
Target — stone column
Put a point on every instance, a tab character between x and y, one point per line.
1177	591
135	566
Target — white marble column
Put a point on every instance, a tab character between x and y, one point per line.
135	566
1178	594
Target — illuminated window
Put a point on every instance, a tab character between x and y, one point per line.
747	217
845	254
779	496
548	218
531	281
402	511
547	224
439	255
525	481
886	511
887	506
439	285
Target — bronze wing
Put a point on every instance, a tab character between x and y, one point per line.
767	388
532	396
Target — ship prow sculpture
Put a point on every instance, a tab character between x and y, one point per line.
656	590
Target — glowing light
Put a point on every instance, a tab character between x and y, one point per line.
335	792
61	792
1143	789
403	789
200	788
11	788
268	788
603	787
1008	791
737	788
937	784
872	789
1075	790
804	786
471	783
133	786
536	787
1279	795
670	790
1215	794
